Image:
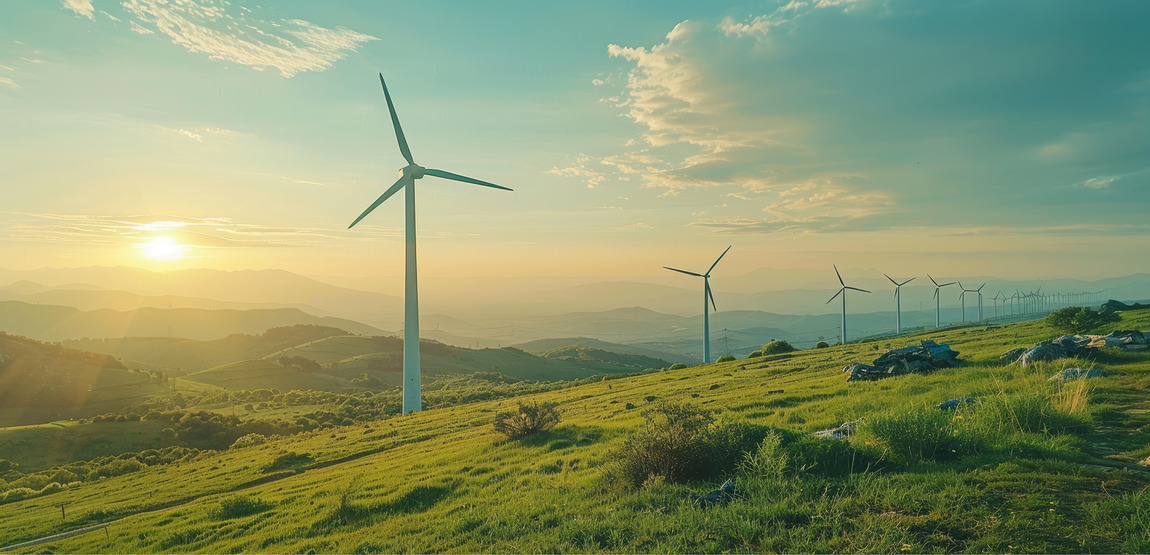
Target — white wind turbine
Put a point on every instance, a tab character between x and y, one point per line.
998	297
706	296
962	297
843	292
407	177
898	303
937	300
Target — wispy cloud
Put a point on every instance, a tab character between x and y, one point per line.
580	168
210	27
81	7
9	83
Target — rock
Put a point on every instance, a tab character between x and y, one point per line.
720	496
953	404
863	372
1045	350
1073	344
1077	373
1013	355
920	359
843	431
1125	337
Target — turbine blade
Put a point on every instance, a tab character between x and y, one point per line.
840	276
935	293
891	280
710	295
932	280
464	178
837	294
683	271
718	259
856	289
403	149
951	283
906	282
980	287
386	195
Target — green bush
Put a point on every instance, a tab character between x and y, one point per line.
681	443
914	435
1079	319
755	354
288	460
678	366
777	347
243	505
725	358
249	440
822	345
529	419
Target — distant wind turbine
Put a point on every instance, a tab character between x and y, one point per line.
407	177
937	300
843	292
898	303
962	297
707	296
997	298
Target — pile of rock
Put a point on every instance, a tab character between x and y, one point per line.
1068	374
844	431
920	359
1074	345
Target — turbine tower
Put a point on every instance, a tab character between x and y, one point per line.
706	296
962	297
843	292
997	298
898	303
937	286
407	177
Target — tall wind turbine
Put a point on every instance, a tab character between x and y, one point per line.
962	297
997	298
937	286
706	296
843	292
898	303
407	177
979	291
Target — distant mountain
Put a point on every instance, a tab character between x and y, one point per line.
91	298
244	286
177	356
540	346
43	382
55	323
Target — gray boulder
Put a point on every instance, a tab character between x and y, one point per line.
1013	355
843	431
720	496
953	404
1068	374
1046	350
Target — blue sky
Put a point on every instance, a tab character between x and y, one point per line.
965	138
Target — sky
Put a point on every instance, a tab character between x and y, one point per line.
984	138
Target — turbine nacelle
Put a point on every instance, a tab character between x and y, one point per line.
414	171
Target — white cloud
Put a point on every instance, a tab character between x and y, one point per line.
138	29
1099	182
637	225
193	136
81	7
580	169
110	16
9	83
203	26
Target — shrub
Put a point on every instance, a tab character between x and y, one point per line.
678	366
680	443
755	354
244	505
249	440
1079	319
822	345
290	459
725	358
529	419
777	347
918	434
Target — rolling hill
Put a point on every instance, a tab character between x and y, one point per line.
55	323
1021	471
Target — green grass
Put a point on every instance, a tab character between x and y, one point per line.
1038	472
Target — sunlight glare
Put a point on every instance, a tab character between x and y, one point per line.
163	248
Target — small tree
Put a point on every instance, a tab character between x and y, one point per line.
1079	319
822	345
725	358
777	347
529	419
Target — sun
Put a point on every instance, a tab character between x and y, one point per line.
163	248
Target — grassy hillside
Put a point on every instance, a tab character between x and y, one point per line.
41	382
540	346
1036	467
349	356
56	323
190	355
258	374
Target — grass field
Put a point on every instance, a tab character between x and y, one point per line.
1041	468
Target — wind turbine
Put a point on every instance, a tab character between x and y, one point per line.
979	291
706	296
407	177
996	298
937	286
962	297
897	303
843	292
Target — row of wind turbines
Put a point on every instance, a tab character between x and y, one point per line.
413	172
